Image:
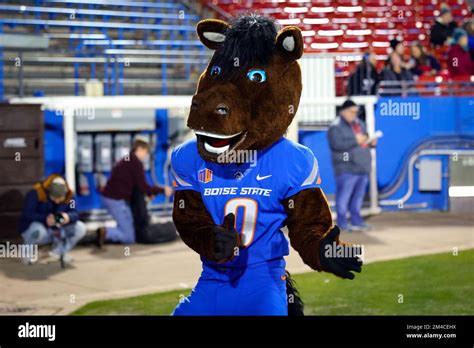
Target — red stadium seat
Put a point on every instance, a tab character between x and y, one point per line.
323	44
428	3
356	25
359	29
372	18
329	30
344	18
323	8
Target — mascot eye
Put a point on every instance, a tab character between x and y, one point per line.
257	75
215	70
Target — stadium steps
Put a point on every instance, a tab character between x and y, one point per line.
50	69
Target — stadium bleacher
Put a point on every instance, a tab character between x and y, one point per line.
88	40
349	27
150	47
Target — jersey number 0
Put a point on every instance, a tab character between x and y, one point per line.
249	222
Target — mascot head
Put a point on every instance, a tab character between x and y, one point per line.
249	93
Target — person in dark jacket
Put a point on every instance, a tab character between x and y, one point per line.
351	158
469	28
394	71
127	175
365	78
423	64
443	27
396	74
47	209
459	59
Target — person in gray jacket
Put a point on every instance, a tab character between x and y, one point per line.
351	158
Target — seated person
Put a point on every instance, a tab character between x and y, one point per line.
394	71
423	64
47	212
127	175
459	58
396	74
365	78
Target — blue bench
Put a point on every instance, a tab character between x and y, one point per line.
99	13
121	3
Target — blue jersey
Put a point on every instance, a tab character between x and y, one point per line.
253	191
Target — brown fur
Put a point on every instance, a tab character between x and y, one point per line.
263	110
193	222
309	220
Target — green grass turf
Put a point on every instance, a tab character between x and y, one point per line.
441	284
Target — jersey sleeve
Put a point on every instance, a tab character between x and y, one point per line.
303	172
183	169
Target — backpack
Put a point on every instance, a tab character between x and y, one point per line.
146	232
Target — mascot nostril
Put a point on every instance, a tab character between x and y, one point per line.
194	105
240	181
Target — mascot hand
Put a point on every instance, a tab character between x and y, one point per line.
226	240
337	264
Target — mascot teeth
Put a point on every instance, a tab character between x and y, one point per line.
215	135
217	143
213	149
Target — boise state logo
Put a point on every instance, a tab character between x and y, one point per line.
205	175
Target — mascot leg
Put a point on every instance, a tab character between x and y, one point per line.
255	290
200	301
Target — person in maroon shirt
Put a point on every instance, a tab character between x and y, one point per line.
127	175
459	58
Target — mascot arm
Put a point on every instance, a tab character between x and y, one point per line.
198	230
310	231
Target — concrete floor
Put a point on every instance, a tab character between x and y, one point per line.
121	271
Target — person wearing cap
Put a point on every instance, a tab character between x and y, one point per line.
351	158
459	58
443	27
127	175
49	206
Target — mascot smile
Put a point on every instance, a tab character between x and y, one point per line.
240	181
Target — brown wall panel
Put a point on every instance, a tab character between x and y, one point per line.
20	117
27	144
21	131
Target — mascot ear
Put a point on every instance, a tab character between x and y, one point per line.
211	32
289	43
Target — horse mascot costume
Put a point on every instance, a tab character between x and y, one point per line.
240	181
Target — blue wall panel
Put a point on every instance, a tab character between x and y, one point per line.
53	143
423	119
402	133
317	141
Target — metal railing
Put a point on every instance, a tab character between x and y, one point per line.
435	87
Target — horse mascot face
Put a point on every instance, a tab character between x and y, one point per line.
245	101
249	93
